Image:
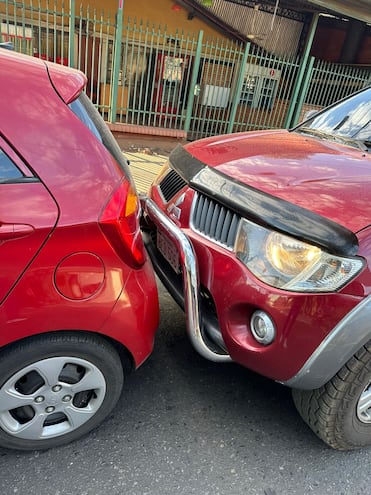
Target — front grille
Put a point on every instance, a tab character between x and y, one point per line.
171	184
214	220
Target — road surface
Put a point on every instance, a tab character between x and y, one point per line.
188	426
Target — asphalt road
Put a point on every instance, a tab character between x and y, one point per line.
187	426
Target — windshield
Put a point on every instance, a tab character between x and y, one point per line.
348	120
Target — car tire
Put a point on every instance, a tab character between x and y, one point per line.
340	411
56	388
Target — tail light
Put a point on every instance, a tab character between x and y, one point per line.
119	222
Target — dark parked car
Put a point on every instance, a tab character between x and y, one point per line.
264	239
78	298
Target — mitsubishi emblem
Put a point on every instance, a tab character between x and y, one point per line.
174	209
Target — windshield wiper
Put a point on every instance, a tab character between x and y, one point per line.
362	129
314	132
362	144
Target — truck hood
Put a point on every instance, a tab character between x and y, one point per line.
322	176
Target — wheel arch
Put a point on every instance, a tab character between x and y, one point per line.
127	359
343	342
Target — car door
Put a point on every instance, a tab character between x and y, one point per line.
28	213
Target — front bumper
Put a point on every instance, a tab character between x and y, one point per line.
312	343
191	284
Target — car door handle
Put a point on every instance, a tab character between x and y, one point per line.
10	231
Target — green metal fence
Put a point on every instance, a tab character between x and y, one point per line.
140	74
331	82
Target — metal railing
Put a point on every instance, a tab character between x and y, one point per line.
145	75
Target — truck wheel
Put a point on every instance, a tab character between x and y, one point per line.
55	388
340	411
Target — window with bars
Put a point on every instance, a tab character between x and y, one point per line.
259	87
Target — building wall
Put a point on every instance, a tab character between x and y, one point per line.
332	36
155	12
364	54
327	43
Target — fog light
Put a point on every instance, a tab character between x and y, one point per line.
262	328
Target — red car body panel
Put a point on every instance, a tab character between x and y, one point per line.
64	273
68	84
24	229
293	316
321	176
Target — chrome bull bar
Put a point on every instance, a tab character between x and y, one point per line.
191	281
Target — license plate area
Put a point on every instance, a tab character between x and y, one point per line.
168	251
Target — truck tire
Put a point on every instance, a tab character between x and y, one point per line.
340	411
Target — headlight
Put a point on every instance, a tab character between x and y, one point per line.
287	263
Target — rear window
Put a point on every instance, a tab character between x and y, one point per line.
90	117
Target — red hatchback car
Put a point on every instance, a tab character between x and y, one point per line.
78	295
264	239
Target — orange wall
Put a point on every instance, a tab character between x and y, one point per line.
155	12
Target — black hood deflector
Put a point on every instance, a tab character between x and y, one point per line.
263	208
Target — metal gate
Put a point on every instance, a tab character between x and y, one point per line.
144	75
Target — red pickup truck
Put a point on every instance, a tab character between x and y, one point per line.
264	239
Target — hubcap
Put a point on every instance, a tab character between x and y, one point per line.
51	397
364	405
